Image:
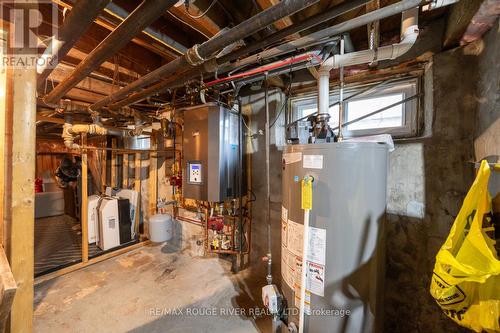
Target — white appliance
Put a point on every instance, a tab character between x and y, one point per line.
109	228
93	218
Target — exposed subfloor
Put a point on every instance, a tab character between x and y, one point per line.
147	290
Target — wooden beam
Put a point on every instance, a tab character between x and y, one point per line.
80	55
459	18
20	245
50	119
280	24
84	207
205	24
7	289
62	71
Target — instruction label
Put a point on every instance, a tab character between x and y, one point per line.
292	235
313	162
290	158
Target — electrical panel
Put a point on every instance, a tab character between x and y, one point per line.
211	153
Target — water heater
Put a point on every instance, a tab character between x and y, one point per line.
345	262
211	151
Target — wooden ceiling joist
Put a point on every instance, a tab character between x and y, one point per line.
204	24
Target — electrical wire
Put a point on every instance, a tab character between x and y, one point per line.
202	14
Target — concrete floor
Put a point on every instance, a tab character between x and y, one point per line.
135	291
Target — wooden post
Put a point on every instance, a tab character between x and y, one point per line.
125	170
137	188
20	237
113	182
153	180
104	168
84	207
3	121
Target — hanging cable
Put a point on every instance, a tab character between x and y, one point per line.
202	14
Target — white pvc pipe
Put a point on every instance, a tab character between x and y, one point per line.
409	34
305	250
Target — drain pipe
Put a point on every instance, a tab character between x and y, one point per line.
200	54
409	34
70	131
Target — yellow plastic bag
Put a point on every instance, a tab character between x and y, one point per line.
466	278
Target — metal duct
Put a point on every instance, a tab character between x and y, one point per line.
198	54
145	14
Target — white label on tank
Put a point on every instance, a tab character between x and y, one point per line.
292	157
313	162
317	245
295	236
284	213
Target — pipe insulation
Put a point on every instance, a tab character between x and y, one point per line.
409	34
70	132
334	30
284	48
179	79
199	54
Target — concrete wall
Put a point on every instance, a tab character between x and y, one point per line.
428	179
487	133
466	107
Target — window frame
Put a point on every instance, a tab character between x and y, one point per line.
409	86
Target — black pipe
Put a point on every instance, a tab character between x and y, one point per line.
147	12
79	19
293	29
193	73
198	54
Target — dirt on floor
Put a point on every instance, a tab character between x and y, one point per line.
150	290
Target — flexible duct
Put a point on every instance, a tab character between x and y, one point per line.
409	34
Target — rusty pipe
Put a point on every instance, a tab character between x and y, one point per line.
199	54
79	19
145	14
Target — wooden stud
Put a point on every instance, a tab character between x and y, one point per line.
104	168
137	188
84	207
20	238
3	120
113	182
153	181
125	170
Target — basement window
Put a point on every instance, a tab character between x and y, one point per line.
400	121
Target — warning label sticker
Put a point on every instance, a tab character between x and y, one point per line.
291	257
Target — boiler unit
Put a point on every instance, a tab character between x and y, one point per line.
344	263
114	222
211	150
